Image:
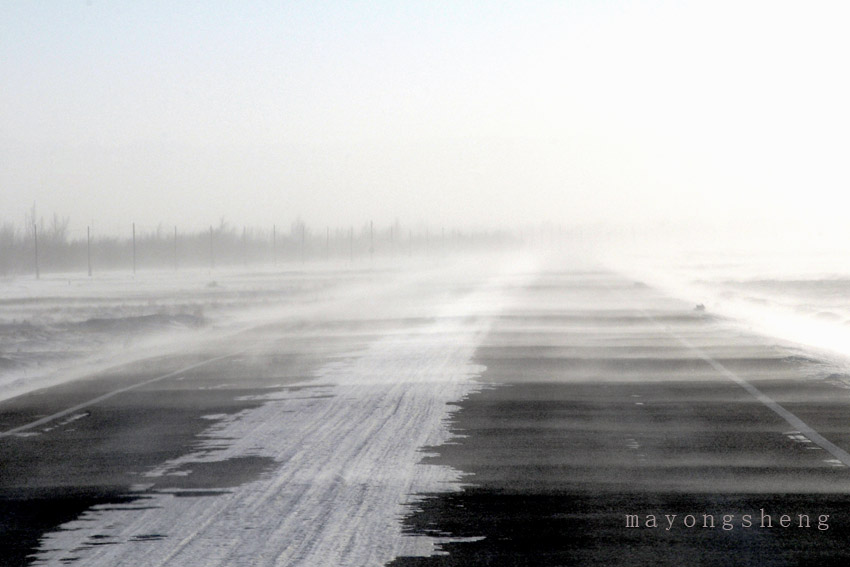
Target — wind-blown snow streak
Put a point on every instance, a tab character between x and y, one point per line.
348	449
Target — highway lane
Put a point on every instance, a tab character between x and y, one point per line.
609	405
294	441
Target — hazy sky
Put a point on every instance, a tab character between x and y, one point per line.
439	112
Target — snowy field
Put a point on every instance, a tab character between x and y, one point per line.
62	325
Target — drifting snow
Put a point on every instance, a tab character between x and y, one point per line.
64	327
347	449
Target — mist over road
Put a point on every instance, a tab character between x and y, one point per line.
494	412
293	441
623	427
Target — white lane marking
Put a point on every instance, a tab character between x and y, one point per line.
93	401
842	456
794	421
74	418
796	436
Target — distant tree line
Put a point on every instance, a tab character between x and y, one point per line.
38	246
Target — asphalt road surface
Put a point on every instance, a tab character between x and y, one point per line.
483	415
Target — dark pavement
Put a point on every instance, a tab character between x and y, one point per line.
604	400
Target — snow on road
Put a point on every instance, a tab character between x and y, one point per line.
347	448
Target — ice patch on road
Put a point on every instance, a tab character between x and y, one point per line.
349	457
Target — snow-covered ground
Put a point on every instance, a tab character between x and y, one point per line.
347	445
63	326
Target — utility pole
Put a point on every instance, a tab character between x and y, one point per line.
35	239
212	252
175	248
371	242
134	249
327	243
351	244
88	247
245	246
303	231
274	244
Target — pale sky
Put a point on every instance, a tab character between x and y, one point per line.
452	112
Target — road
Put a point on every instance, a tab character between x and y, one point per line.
611	406
514	414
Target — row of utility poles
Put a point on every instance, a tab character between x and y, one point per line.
212	250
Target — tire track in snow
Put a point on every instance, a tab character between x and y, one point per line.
349	462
